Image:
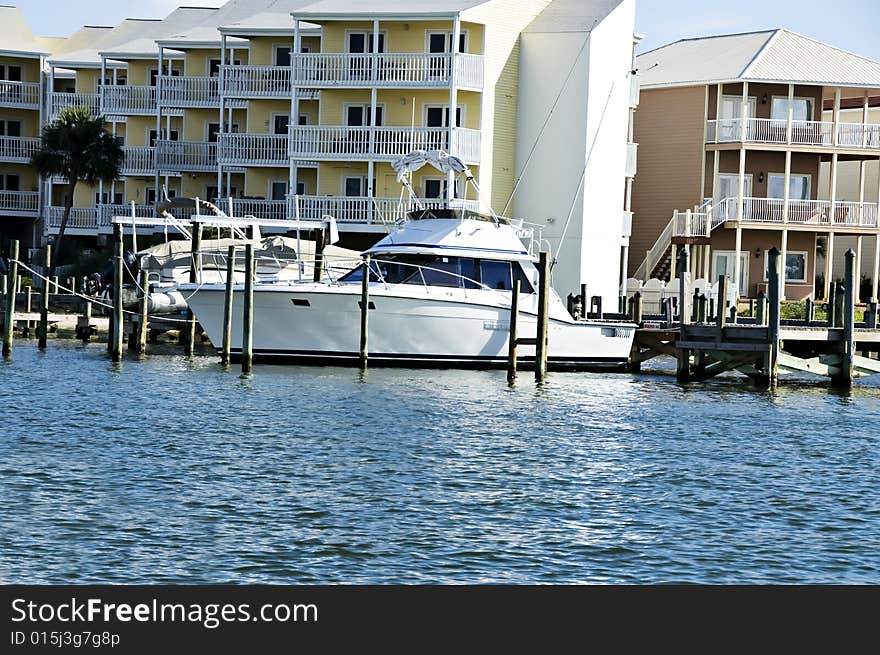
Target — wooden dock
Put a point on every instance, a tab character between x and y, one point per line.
764	346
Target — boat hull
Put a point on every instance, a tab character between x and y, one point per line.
320	324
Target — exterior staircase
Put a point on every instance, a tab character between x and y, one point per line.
691	226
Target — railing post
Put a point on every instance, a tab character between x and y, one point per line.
543	299
143	317
226	347
844	378
365	313
44	298
116	349
9	319
772	359
247	336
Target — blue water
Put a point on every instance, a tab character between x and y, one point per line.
174	471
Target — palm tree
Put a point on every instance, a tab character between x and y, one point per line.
76	146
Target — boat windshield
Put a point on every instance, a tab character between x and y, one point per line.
439	271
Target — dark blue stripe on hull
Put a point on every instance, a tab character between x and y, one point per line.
324	358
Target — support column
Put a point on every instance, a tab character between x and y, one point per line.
790	117
783	258
740	206
453	103
829	263
707	263
293	124
371	171
158	121
222	120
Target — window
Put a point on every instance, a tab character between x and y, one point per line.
154	73
300	188
214	66
10	128
355	187
174	136
282	55
441	42
802	109
362	42
9	182
280	123
10	72
105	198
798	186
496	275
438	116
795	266
442	272
360	115
434	188
212	193
279	190
303	119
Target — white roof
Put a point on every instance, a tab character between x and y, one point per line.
206	34
16	37
128	30
379	8
572	16
144	45
275	19
778	56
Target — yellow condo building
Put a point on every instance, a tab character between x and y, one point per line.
295	108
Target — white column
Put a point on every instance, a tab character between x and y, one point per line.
707	263
222	126
739	217
836	117
293	124
876	277
832	189
790	119
865	106
158	122
783	257
703	149
716	168
744	112
718	96
786	197
371	166
453	102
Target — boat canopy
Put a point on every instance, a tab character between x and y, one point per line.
455	237
440	160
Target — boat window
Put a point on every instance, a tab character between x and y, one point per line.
442	272
470	273
525	284
495	274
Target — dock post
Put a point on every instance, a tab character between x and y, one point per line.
84	323
28	308
683	372
319	255
809	311
695	306
44	300
143	317
839	305
543	299
871	315
365	312
116	348
189	345
721	306
247	327
831	305
702	305
511	339
845	377
761	311
226	346
9	319
638	308
774	315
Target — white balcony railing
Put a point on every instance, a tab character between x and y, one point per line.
18	149
256	81
353	143
189	91
139	160
259	208
19	201
107	212
632	157
190	156
253	149
128	100
20	94
81	218
364	210
800	212
390	70
803	133
59	101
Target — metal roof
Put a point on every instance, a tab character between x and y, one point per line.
380	8
778	56
16	37
572	16
128	30
144	45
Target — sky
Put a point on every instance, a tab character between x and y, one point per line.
847	24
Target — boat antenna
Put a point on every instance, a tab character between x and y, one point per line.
547	119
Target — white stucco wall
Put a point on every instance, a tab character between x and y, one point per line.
580	123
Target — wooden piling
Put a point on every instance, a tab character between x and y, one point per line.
512	335
28	308
543	300
44	300
702	309
721	305
683	371
189	345
9	321
84	323
761	310
319	255
143	318
226	346
844	377
774	315
638	308
831	305
247	328
116	345
839	305
871	315
809	311
365	312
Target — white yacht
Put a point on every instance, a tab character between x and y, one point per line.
440	294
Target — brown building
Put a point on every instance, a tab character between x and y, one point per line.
731	140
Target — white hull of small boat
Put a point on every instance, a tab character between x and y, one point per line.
408	325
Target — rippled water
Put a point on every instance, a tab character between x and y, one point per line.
169	470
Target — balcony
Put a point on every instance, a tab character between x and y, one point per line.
189	156
21	95
803	133
275	210
189	91
128	100
253	150
17	203
59	101
816	213
93	220
353	143
364	211
139	160
632	158
261	82
388	70
18	149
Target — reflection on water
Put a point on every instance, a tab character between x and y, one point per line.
173	470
